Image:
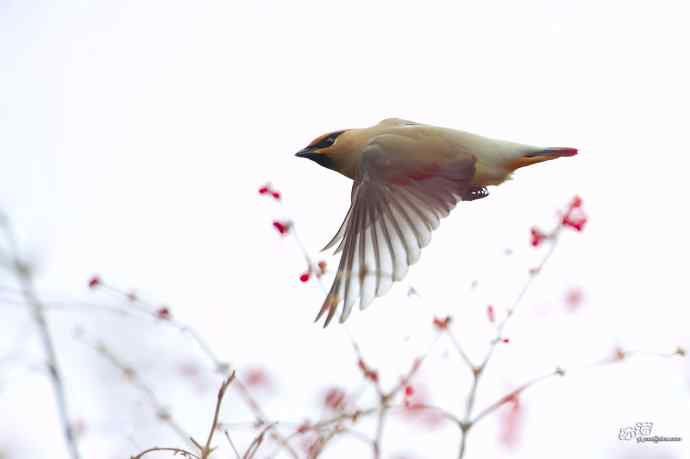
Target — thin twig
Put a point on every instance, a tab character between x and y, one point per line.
251	402
405	380
254	446
370	375
459	348
514	393
232	445
23	273
380	422
176	451
206	451
262	418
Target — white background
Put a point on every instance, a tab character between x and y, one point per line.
133	138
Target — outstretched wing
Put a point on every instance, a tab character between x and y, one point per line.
397	201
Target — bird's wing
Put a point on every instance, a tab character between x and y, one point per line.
396	202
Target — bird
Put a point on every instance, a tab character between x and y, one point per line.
406	176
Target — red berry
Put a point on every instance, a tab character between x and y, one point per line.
334	398
491	314
577	223
94	282
281	227
537	236
442	324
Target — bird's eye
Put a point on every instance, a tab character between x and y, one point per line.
326	141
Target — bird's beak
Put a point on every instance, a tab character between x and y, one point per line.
306	153
319	158
546	154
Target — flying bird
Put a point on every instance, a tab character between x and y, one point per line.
406	177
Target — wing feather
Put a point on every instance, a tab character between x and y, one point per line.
396	204
392	252
377	255
339	235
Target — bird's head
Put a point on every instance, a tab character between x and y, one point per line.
324	149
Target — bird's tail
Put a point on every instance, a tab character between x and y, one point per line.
538	155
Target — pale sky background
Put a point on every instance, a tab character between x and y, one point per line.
133	138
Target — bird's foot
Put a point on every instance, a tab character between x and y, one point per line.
475	193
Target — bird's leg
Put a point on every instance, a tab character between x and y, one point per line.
476	192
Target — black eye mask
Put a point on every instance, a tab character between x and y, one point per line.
327	141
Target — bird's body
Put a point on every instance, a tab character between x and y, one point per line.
406	177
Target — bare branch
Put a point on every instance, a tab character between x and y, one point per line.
183	452
206	450
380	422
232	445
25	278
254	446
460	350
262	419
514	393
